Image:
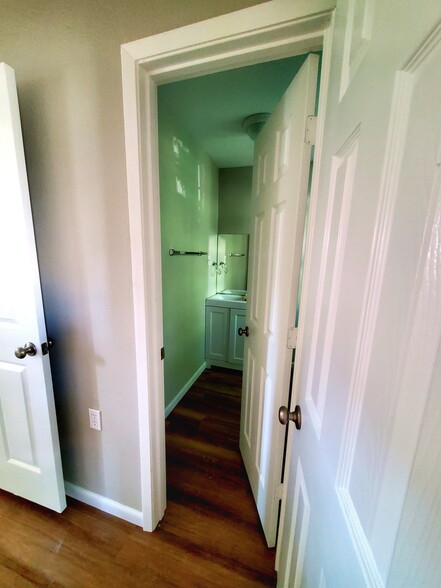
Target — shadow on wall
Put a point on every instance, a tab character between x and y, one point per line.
72	205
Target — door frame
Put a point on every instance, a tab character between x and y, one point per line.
269	31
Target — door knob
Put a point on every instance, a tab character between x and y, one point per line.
244	331
295	416
28	349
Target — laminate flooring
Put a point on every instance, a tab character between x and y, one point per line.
210	534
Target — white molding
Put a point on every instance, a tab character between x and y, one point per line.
276	14
183	391
105	504
272	30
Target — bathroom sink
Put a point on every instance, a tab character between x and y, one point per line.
227	300
228	297
239	292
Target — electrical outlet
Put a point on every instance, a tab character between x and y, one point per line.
95	419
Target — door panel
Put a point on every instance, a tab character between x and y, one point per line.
369	327
292	558
15	425
281	171
334	243
217	320
236	345
30	463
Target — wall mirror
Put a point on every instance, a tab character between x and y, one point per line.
232	262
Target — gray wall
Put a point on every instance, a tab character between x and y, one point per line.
235	199
66	56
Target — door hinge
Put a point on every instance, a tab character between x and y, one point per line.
162	352
279	492
292	338
311	129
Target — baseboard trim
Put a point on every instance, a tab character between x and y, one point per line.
105	504
183	391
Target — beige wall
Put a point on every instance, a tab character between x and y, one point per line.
66	55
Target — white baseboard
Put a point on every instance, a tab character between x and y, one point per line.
183	391
105	504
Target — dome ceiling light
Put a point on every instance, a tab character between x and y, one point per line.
254	123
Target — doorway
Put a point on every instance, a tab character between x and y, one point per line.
205	169
277	31
200	130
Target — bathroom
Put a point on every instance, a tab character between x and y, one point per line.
206	158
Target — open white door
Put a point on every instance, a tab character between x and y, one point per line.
280	184
362	505
30	464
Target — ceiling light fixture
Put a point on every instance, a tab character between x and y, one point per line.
254	123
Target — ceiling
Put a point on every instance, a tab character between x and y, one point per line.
211	108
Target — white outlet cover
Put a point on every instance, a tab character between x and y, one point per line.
95	419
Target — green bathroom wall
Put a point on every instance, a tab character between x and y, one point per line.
189	184
235	199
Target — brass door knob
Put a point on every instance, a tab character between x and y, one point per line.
244	331
27	349
295	416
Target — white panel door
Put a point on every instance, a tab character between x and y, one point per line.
280	183
362	505
30	464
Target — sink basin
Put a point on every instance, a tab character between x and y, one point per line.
239	292
228	297
228	300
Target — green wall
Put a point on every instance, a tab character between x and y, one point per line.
235	199
189	184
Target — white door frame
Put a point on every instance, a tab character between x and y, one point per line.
272	30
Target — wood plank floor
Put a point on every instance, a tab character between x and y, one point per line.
210	535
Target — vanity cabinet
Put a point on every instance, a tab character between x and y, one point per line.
223	346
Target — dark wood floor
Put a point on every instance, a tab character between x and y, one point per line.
210	535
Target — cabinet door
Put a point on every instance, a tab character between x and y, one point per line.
236	347
217	321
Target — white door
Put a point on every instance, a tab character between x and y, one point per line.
280	184
30	464
362	505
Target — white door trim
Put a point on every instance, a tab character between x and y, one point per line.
272	30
